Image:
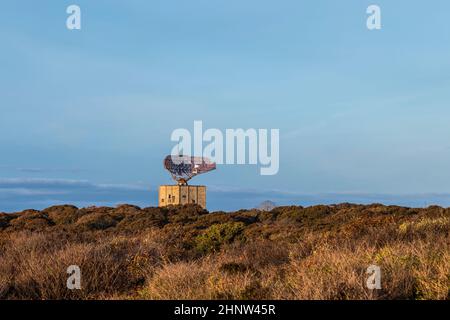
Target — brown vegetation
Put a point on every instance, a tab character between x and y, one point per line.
319	252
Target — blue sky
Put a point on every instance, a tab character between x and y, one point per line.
86	116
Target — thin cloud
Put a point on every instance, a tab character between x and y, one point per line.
21	193
17	194
48	170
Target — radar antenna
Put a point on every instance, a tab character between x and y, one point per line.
184	168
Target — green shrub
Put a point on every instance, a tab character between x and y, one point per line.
215	236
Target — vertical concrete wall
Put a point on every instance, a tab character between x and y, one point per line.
184	194
176	195
193	195
201	196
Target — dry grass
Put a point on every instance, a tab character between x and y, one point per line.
185	253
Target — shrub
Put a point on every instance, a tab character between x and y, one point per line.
217	235
96	221
62	215
5	220
31	220
319	252
138	221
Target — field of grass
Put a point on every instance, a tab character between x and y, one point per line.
319	252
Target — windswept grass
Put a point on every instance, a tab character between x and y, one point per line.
319	252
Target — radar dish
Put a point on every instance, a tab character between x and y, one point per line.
184	168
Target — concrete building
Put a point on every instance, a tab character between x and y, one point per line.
182	194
